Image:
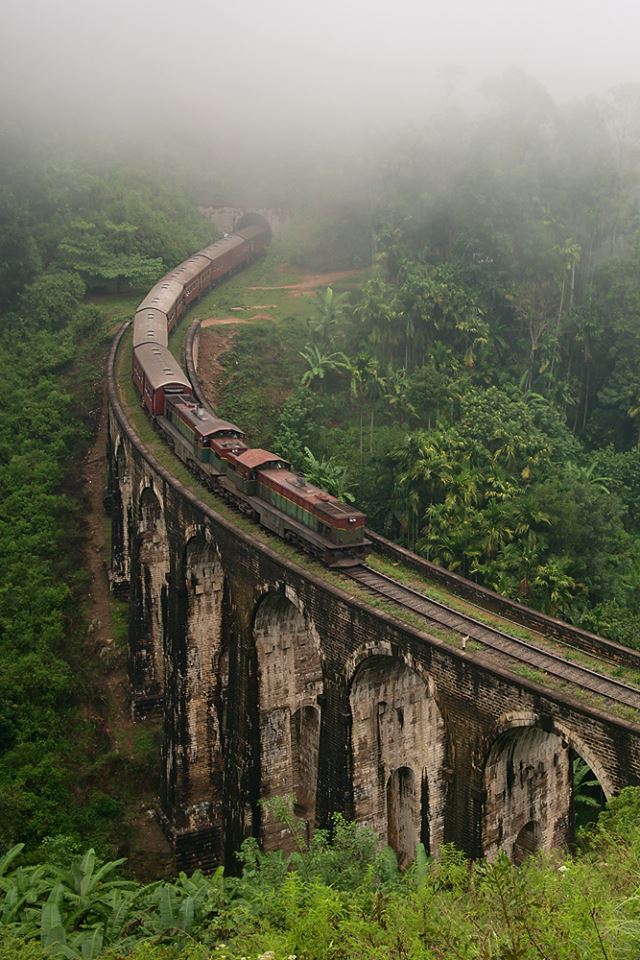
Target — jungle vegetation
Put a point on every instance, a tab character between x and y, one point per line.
339	896
479	395
70	233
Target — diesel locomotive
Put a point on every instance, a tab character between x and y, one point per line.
257	482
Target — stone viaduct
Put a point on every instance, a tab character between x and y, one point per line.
271	681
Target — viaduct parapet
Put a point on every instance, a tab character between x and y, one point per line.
272	681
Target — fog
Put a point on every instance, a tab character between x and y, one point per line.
296	71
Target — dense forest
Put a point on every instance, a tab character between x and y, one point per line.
479	396
70	233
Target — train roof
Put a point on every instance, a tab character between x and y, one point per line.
150	326
161	369
188	269
163	296
321	501
222	246
256	458
204	423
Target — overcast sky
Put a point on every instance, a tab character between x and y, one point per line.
305	62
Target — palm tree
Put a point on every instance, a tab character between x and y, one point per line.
330	308
327	474
378	314
585	791
319	364
556	585
396	390
365	384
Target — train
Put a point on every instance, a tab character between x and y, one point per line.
257	482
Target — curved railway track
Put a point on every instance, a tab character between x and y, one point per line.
497	647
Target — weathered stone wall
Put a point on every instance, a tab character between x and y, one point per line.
149	568
275	682
527	780
399	749
119	498
290	690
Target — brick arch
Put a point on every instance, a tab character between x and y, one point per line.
397	726
383	648
527	842
149	484
577	743
204	593
121	517
290	685
120	460
197	531
527	779
148	607
149	505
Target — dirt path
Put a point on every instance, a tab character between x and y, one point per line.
219	321
311	281
210	349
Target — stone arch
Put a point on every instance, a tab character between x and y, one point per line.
530	719
527	780
148	602
399	751
204	593
149	506
527	842
290	685
403	813
121	518
120	459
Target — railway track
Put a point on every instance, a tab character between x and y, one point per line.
497	647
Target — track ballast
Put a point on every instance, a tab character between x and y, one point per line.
497	647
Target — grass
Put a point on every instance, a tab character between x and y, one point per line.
116	308
530	673
263	363
120	623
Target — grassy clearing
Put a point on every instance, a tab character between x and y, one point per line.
116	308
263	365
